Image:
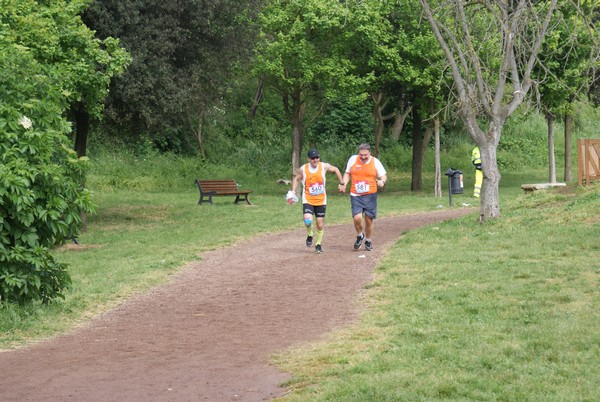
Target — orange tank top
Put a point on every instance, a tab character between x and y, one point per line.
364	177
314	185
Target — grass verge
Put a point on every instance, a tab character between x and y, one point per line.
508	310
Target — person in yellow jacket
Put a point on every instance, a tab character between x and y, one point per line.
476	161
314	197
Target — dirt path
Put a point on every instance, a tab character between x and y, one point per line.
207	334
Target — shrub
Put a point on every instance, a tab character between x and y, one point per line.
41	191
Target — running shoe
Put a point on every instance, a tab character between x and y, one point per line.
309	241
359	240
318	249
368	245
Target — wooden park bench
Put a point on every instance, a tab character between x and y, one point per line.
210	188
528	188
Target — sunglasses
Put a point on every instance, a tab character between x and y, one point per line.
316	157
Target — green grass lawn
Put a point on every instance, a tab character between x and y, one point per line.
507	310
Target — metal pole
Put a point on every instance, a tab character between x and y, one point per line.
450	189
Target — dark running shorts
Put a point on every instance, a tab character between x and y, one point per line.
366	204
318	211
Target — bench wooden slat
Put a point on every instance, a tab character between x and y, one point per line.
210	188
540	186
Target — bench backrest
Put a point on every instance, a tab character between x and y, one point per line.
217	185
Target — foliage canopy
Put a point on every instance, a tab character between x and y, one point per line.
48	60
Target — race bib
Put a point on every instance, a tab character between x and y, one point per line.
316	189
361	187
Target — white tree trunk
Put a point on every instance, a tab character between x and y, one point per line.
551	158
490	193
438	164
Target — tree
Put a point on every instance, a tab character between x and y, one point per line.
88	64
301	56
376	59
41	192
422	81
91	70
401	65
185	53
491	48
565	73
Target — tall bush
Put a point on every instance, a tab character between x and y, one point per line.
41	192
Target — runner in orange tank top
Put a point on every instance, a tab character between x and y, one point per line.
314	196
368	174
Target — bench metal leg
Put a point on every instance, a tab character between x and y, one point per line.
203	200
237	199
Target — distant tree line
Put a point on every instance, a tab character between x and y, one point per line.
415	65
185	58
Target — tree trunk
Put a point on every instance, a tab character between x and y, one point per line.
490	194
438	165
427	139
298	110
551	159
416	183
399	119
568	137
296	146
257	97
377	120
82	129
199	137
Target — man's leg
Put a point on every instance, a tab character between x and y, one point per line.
369	223
357	217
370	214
368	232
308	223
358	225
320	221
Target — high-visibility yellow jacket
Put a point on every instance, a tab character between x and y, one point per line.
476	158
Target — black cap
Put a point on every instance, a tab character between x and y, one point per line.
313	153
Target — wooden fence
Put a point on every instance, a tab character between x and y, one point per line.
588	161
